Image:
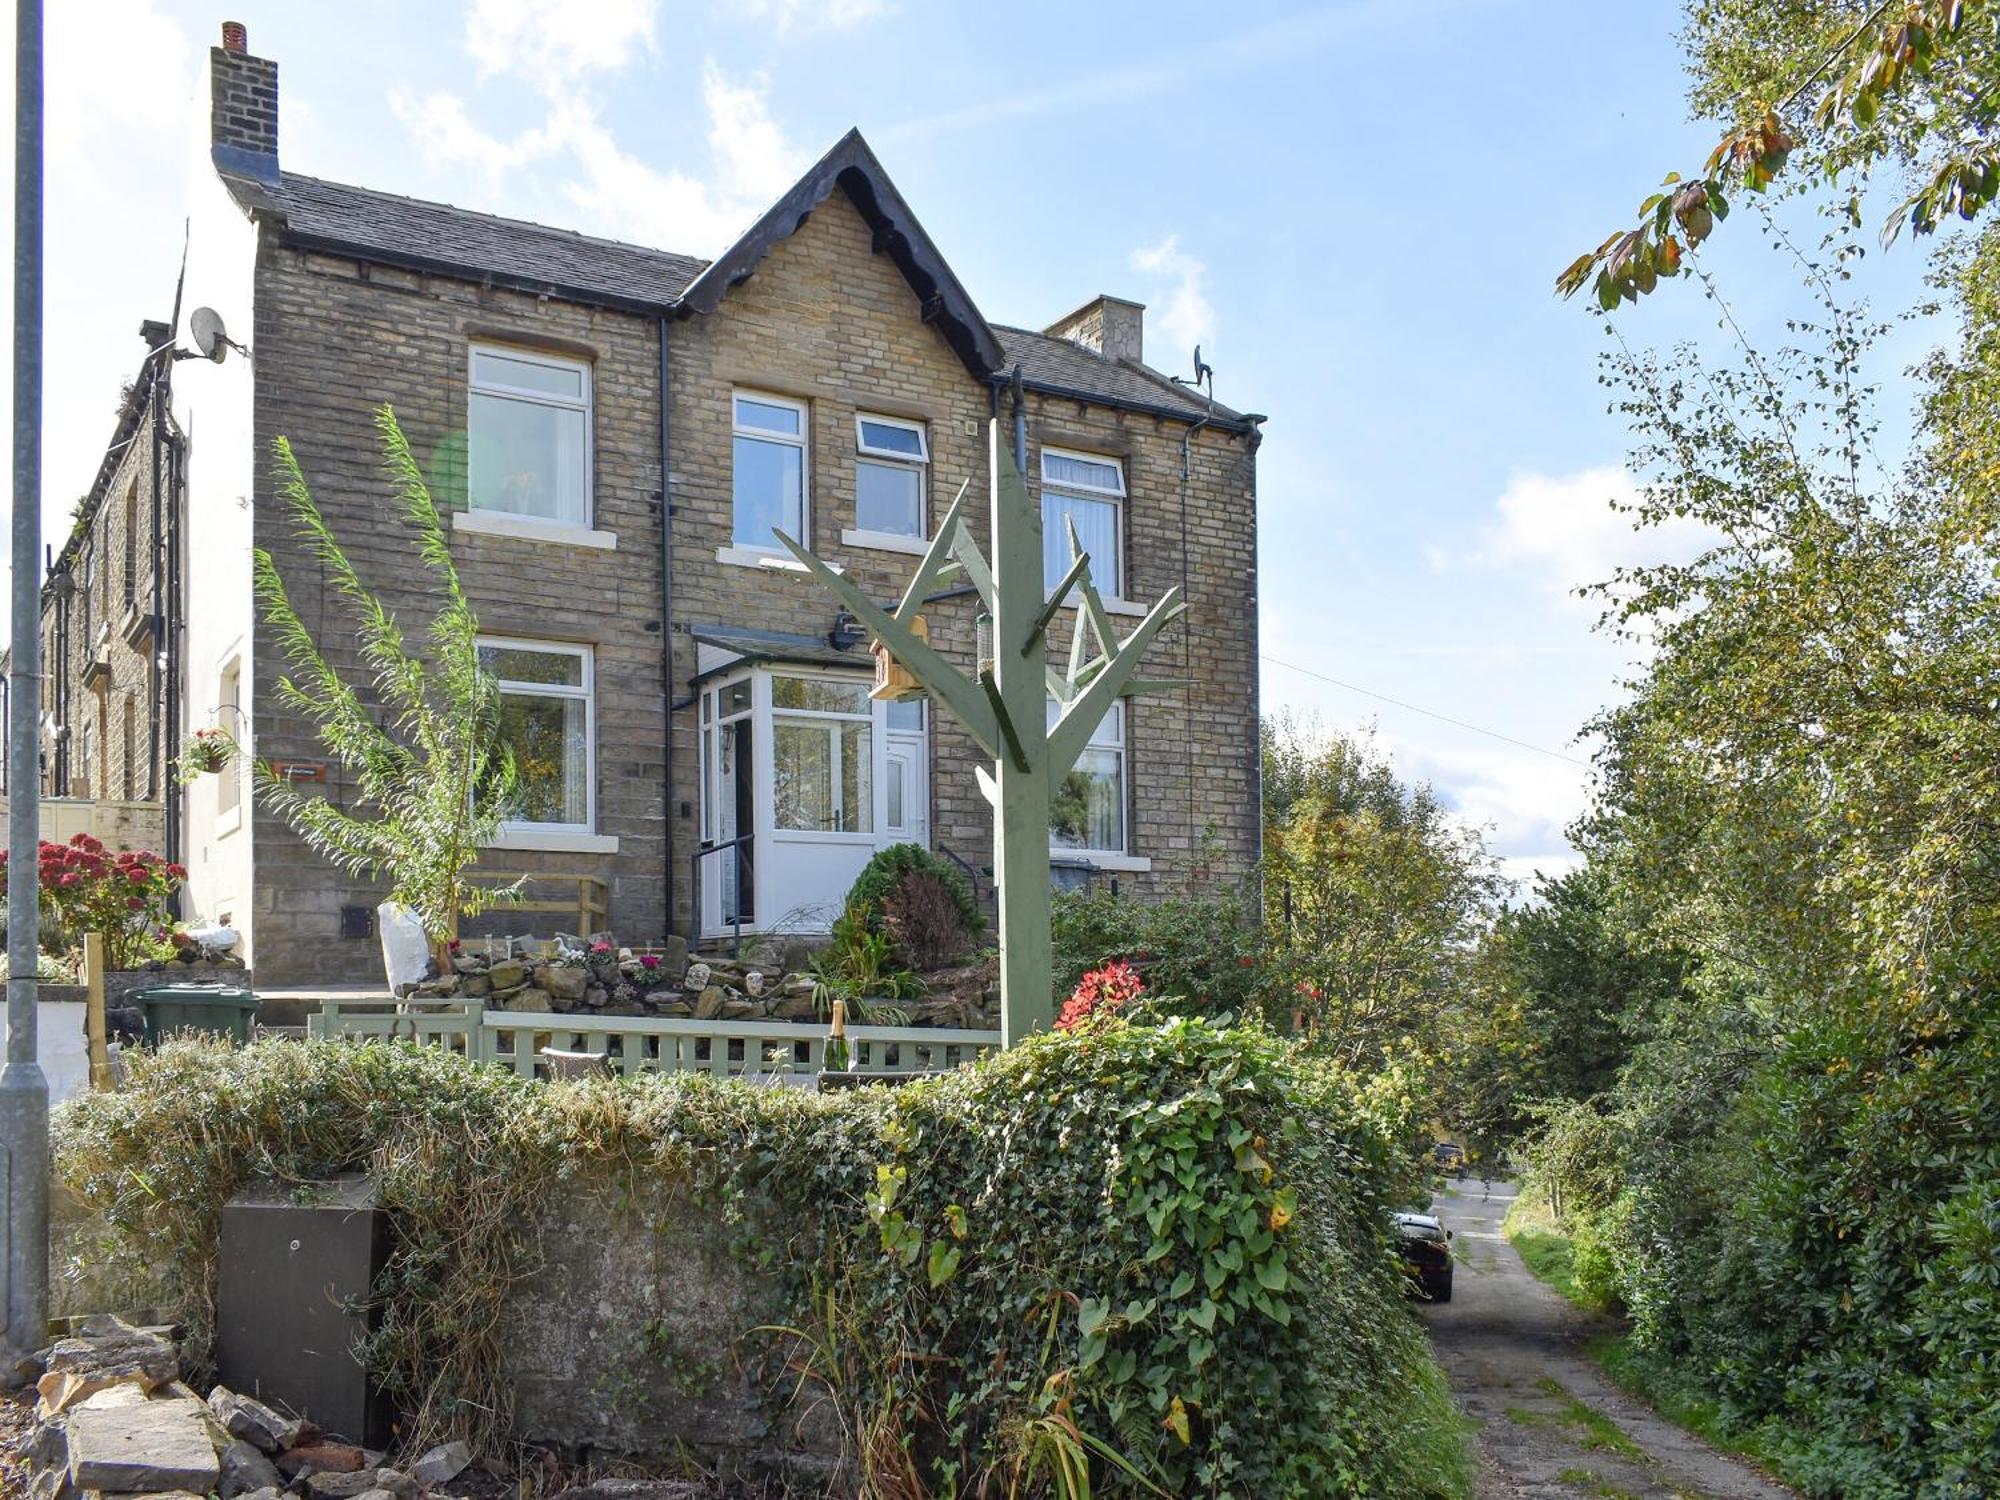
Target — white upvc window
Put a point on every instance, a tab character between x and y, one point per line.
1087	812
822	755
528	436
1088	491
892	459
768	469
548	717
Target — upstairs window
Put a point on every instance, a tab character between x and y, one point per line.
1087	812
768	469
889	468
1086	490
547	710
528	430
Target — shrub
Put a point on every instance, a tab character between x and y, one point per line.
891	866
1166	1242
1206	948
1102	992
88	888
921	916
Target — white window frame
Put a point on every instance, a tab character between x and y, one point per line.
513	523
762	554
1122	857
917	542
1118	496
229	719
867	715
517	832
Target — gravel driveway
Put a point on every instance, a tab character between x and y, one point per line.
1549	1422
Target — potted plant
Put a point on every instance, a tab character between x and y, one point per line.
205	752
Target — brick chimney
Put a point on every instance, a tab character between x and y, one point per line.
1110	326
242	107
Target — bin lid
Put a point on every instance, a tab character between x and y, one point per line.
191	993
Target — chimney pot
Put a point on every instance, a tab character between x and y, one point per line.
235	37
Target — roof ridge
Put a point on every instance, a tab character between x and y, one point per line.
288	177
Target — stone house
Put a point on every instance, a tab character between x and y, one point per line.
617	430
105	732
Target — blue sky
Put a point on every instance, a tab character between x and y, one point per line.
1357	209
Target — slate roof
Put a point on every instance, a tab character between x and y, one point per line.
1051	363
516	252
479	245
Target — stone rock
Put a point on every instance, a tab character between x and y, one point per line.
793	1007
697	978
347	1485
763	955
596	995
755	982
475	986
526	998
442	1464
468	963
677	1009
710	1003
377	1494
796	957
250	1419
740	1010
319	1458
127	1446
508	974
105	1350
562	981
674	956
245	1468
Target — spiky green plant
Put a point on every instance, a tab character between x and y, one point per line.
431	773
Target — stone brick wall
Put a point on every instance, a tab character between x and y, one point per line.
335	340
104	629
243	102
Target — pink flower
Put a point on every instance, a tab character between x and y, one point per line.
649	960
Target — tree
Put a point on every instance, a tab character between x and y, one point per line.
431	773
1374	896
1842	84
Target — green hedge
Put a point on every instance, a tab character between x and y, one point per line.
1155	1246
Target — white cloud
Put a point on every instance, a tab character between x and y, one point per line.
1185	316
557	39
617	194
1574	530
813	15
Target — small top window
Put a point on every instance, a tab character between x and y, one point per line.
528	432
1080	471
889	475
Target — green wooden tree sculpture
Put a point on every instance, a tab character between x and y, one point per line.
1004	705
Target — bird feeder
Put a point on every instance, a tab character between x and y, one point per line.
893	680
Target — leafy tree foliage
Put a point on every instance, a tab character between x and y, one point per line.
430	772
1374	896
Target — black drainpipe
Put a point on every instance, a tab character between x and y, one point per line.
156	644
167	639
667	623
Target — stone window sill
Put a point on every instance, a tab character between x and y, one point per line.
1112	606
759	557
1127	864
532	529
886	541
553	841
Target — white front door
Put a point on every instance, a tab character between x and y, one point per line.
906	798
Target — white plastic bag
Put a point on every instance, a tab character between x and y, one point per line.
406	950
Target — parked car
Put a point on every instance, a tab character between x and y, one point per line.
1426	1248
1448	1153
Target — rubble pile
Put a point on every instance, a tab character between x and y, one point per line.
114	1418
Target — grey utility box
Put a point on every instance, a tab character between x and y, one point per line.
297	1265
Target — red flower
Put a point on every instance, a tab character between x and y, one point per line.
135	904
177	872
1100	993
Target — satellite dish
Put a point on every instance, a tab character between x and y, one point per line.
205	328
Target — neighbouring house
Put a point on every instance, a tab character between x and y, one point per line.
617	431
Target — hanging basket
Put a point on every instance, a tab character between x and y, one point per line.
206	752
893	680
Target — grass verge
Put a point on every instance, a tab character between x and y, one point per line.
1549	1255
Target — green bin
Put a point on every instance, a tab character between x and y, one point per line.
222	1008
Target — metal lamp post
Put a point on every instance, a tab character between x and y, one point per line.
24	1091
1004	705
